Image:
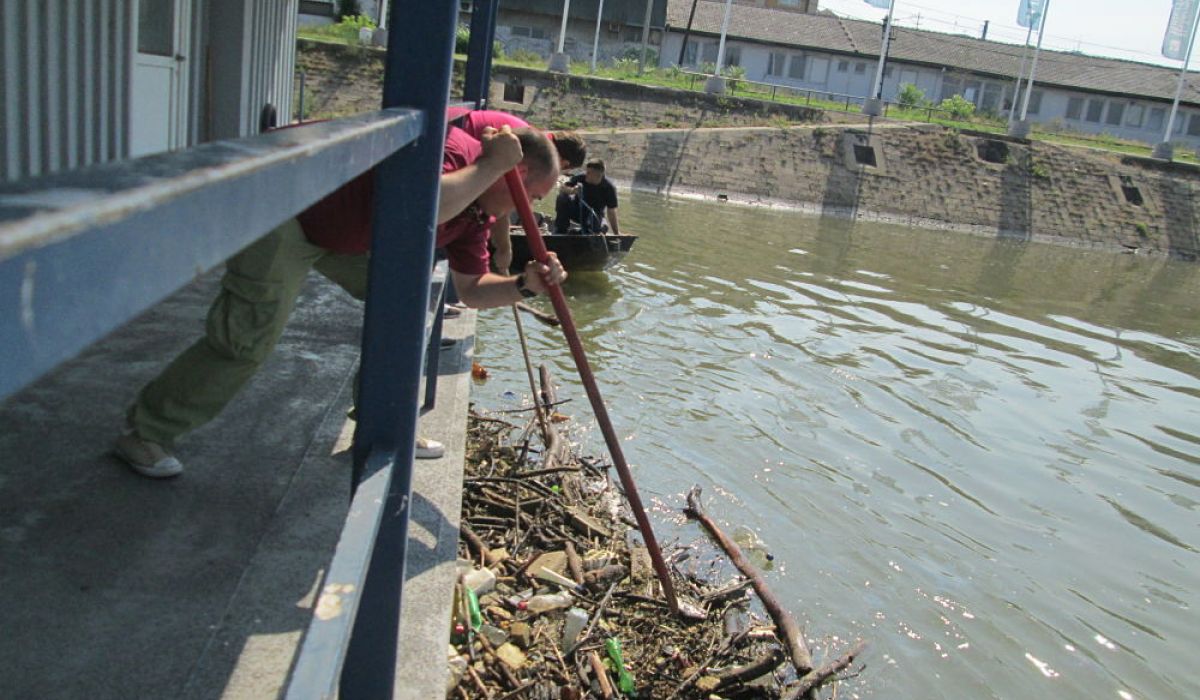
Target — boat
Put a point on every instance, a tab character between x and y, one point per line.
577	252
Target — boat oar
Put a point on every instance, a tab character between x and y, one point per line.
537	247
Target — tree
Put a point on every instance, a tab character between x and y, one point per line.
910	96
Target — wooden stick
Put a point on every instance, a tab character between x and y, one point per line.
543	423
601	675
750	671
814	678
793	639
548	319
574	563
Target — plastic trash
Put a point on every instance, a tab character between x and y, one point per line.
476	616
546	602
624	680
576	620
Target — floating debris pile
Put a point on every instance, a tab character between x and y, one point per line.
557	599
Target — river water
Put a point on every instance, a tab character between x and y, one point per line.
981	456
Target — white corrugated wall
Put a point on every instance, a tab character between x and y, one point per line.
253	56
64	67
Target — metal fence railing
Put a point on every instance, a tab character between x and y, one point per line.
824	99
82	252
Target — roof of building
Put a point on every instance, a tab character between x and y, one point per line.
862	38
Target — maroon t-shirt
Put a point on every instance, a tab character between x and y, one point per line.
341	222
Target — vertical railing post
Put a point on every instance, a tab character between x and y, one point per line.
479	52
417	75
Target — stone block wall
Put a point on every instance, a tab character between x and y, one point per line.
926	176
923	175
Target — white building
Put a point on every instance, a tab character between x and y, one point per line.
90	81
838	57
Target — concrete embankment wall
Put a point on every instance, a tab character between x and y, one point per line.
923	175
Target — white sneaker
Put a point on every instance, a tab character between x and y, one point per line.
429	449
147	458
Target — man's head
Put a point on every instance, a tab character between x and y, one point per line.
572	150
595	171
538	169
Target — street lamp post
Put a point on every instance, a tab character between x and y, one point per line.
715	83
560	62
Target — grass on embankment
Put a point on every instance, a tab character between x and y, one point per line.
626	69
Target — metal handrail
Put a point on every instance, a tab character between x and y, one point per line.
849	102
183	213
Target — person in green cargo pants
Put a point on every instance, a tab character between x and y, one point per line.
262	282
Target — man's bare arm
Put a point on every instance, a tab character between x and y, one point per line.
612	221
501	152
492	290
503	242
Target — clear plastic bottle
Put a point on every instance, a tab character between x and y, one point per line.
548	601
576	619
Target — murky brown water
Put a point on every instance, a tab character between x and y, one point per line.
982	456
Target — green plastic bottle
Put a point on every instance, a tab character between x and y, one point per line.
624	680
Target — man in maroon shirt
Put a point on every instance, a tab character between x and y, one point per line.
262	282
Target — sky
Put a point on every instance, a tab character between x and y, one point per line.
1129	29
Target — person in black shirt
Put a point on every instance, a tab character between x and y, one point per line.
587	199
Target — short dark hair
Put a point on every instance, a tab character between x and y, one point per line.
595	164
539	157
571	147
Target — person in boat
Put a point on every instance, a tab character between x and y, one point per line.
589	200
262	282
571	148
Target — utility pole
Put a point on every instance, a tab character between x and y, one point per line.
596	40
716	84
645	36
873	105
559	61
686	32
985	28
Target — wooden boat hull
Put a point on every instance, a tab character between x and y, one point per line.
578	253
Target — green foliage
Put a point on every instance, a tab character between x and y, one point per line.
462	38
1039	171
348	8
357	22
734	74
344	32
958	107
525	57
910	96
1143	229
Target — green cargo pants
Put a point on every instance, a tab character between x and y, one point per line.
257	294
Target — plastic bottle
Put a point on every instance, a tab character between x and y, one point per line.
548	601
576	619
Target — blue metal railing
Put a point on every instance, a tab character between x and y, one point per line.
85	251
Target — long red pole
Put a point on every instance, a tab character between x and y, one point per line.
537	246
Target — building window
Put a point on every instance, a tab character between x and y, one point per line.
990	102
1074	108
1155	121
950	88
1035	101
887	71
776	63
1193	127
709	53
689	54
796	70
528	32
1134	115
860	68
1116	113
633	35
843	66
733	56
1095	110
